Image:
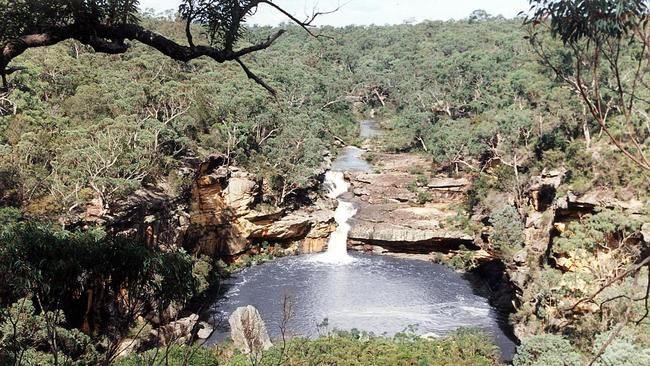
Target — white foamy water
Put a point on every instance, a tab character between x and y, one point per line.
335	183
378	294
337	246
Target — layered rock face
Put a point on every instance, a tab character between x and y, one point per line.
225	217
389	215
221	216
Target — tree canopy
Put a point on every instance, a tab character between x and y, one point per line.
106	25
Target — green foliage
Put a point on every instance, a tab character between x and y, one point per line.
422	180
623	350
31	338
479	191
290	160
597	230
574	20
412	187
461	260
465	347
203	272
508	236
546	350
173	355
30	16
59	267
9	215
98	128
424	197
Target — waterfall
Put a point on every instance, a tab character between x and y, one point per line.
337	251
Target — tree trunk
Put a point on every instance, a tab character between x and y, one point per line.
585	130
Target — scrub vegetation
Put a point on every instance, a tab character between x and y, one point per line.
98	101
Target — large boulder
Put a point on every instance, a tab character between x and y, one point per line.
248	331
176	332
204	331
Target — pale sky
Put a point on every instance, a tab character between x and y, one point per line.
363	12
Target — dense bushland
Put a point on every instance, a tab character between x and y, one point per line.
78	128
465	347
70	296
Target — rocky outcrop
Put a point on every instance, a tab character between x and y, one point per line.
540	217
386	232
322	226
155	215
219	215
295	225
225	216
248	331
176	332
214	228
597	197
389	216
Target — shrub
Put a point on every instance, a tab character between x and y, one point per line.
508	234
412	187
174	355
204	273
370	157
9	215
623	350
27	339
597	230
424	197
546	350
60	267
478	191
464	348
422	180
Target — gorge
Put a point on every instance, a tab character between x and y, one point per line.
382	295
431	193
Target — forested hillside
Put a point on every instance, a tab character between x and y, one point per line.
81	131
466	93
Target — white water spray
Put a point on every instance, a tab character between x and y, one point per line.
337	246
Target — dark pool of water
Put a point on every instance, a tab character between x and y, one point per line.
378	294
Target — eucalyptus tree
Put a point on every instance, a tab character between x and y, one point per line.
107	25
606	61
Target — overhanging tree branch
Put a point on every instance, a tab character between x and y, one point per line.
222	20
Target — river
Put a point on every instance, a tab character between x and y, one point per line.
378	294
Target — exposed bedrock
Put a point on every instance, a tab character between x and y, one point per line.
391	212
226	217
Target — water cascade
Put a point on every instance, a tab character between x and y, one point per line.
337	251
379	294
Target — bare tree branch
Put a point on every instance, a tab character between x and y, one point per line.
256	78
110	39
